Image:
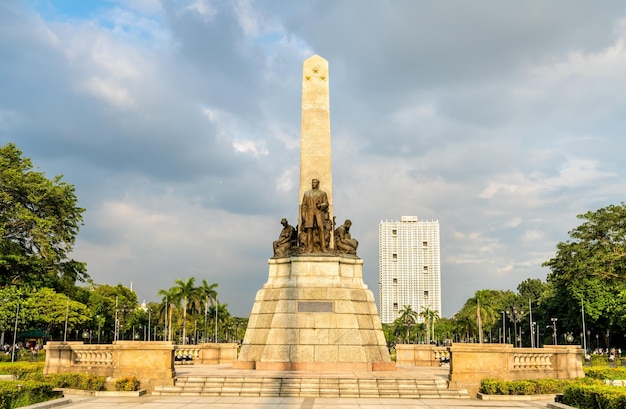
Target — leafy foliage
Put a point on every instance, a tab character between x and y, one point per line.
17	394
129	383
39	221
595	396
491	386
589	271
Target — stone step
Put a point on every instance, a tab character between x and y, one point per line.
432	388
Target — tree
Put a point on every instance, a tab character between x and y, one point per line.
220	312
46	308
209	292
408	319
430	316
39	221
589	270
10	297
168	303
185	291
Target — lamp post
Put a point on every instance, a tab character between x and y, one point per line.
67	313
17	315
516	317
503	327
537	331
554	320
530	321
582	312
217	305
206	311
98	318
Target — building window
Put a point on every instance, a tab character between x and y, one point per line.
395	281
394	257
425	243
425	294
394	232
395	305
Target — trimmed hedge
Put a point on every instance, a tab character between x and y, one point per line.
15	394
597	396
524	387
71	381
605	372
21	369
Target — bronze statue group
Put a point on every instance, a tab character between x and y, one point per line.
313	233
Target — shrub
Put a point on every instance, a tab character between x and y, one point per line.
15	394
605	372
594	396
76	381
524	387
20	369
129	383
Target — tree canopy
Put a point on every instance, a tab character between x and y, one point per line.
39	221
589	270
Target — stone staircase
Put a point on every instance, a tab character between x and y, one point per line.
316	387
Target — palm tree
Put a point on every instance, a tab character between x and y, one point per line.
430	316
484	310
184	290
166	308
219	312
208	292
408	318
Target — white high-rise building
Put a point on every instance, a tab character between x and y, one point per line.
410	268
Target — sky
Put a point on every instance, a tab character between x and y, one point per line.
178	122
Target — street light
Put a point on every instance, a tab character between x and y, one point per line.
217	305
582	312
98	318
516	316
503	327
17	315
554	320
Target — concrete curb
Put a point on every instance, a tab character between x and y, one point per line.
483	396
49	404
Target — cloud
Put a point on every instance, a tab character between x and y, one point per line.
179	124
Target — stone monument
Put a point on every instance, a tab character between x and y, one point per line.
315	312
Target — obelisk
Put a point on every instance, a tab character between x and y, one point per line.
315	312
315	152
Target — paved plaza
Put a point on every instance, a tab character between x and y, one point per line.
156	402
236	402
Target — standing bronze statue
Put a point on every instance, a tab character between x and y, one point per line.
286	240
313	215
344	243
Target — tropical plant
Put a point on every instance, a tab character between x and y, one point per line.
408	319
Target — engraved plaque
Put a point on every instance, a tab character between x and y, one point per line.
315	306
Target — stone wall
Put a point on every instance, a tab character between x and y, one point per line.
209	354
420	354
150	362
469	363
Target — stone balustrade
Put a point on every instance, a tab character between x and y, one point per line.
469	363
420	354
208	354
150	362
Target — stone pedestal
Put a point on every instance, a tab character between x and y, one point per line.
315	313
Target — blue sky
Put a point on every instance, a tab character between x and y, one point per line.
179	124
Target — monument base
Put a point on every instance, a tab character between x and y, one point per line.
315	314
